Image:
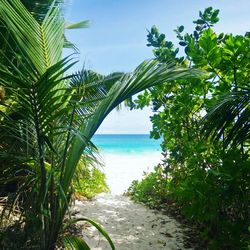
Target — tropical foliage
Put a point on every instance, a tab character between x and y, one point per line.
48	116
89	179
204	124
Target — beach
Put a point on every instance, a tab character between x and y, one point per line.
126	157
122	169
130	225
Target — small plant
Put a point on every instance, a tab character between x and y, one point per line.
89	180
152	189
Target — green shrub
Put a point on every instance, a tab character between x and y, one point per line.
207	159
89	181
152	189
217	199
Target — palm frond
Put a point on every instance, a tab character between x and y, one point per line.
79	25
75	243
147	74
97	226
41	43
39	9
229	120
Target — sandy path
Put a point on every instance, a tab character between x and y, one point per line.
131	226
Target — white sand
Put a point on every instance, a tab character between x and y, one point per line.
131	226
122	169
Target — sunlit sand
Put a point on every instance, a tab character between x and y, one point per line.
122	169
131	226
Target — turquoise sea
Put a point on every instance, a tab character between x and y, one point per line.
126	143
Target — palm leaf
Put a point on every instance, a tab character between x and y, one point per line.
230	118
79	25
97	226
39	9
149	73
75	243
41	44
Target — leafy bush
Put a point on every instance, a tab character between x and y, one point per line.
216	199
151	190
206	167
92	181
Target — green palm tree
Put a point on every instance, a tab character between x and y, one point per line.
48	117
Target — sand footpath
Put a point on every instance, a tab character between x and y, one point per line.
131	226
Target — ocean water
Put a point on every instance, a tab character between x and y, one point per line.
127	158
126	143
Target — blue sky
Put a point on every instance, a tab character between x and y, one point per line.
116	39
